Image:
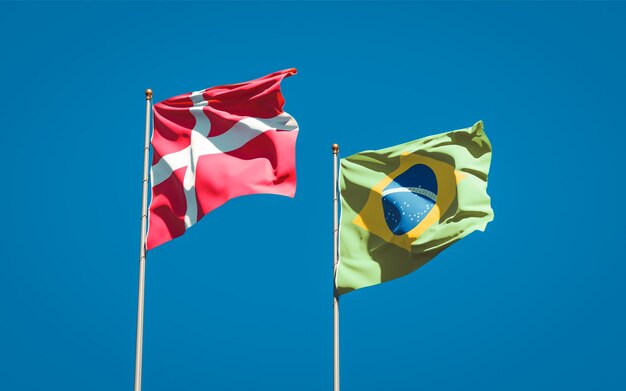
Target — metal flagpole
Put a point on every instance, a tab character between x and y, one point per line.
335	259
142	247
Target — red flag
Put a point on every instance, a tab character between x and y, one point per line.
216	144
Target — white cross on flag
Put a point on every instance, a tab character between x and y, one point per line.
216	144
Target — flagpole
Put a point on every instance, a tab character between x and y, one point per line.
142	247
335	260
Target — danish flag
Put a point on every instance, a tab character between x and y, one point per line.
216	144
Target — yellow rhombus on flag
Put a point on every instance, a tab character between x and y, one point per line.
403	205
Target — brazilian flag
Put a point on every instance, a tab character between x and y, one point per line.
403	205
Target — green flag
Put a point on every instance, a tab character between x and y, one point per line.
403	205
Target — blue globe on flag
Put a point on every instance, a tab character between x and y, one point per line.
409	198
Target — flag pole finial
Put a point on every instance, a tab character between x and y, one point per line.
335	148
148	94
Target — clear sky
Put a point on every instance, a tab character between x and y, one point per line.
243	301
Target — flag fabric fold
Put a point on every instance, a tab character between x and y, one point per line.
403	205
216	144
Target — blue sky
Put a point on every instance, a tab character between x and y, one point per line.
243	301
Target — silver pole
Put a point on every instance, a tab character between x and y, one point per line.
142	247
335	259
